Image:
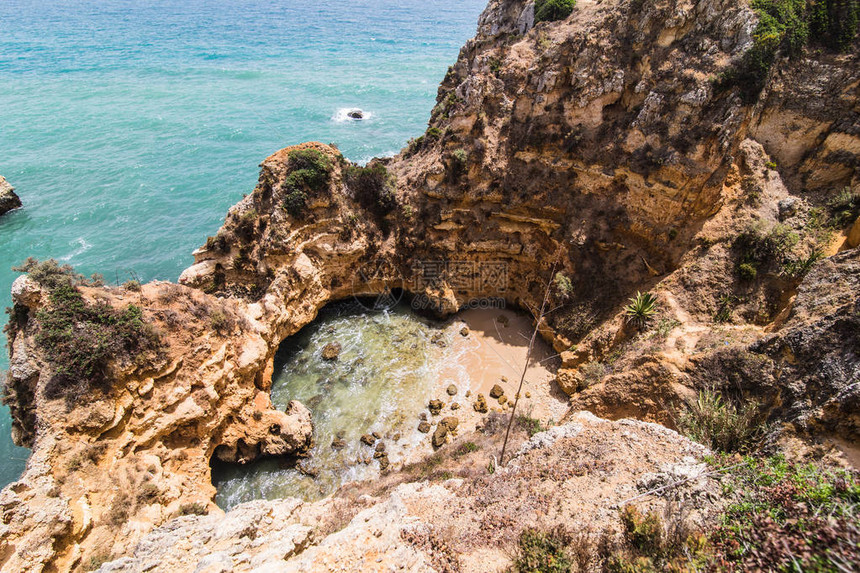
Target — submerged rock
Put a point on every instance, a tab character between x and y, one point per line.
331	351
424	427
338	444
367	439
8	199
355	114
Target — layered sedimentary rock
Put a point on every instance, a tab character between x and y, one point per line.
597	147
454	525
8	199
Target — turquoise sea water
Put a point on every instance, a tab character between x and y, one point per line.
128	127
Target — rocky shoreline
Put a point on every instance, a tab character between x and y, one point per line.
594	155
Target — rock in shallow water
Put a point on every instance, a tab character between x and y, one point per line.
8	199
331	351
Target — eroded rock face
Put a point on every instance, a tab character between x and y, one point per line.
586	466
106	469
595	147
8	199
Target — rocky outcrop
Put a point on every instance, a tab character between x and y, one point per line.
8	199
585	467
595	148
106	469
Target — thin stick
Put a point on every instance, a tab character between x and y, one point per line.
526	366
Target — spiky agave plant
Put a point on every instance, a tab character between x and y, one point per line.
641	309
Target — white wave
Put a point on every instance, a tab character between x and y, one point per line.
83	247
342	114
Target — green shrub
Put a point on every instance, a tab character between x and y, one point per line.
786	27
747	271
552	10
310	172
542	552
725	306
844	208
563	284
433	134
592	373
309	167
720	424
372	187
759	248
81	339
132	285
50	274
834	23
531	425
641	309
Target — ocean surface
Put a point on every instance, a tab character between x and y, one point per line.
128	127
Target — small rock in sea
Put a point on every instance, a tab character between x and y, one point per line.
355	114
423	416
368	439
341	434
376	435
480	404
396	436
455	406
331	351
528	394
464	331
450	422
380	447
502	399
338	444
435	407
424	427
496	391
504	379
468	393
377	455
452	390
383	463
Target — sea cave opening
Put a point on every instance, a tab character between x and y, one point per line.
368	377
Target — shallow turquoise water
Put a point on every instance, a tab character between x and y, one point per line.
128	127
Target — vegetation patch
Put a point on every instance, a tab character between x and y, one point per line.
553	10
310	172
721	424
760	248
788	517
81	339
641	309
542	552
785	27
372	187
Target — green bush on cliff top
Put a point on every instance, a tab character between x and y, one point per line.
81	339
310	171
786	27
552	10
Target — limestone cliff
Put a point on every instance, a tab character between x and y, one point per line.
599	148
